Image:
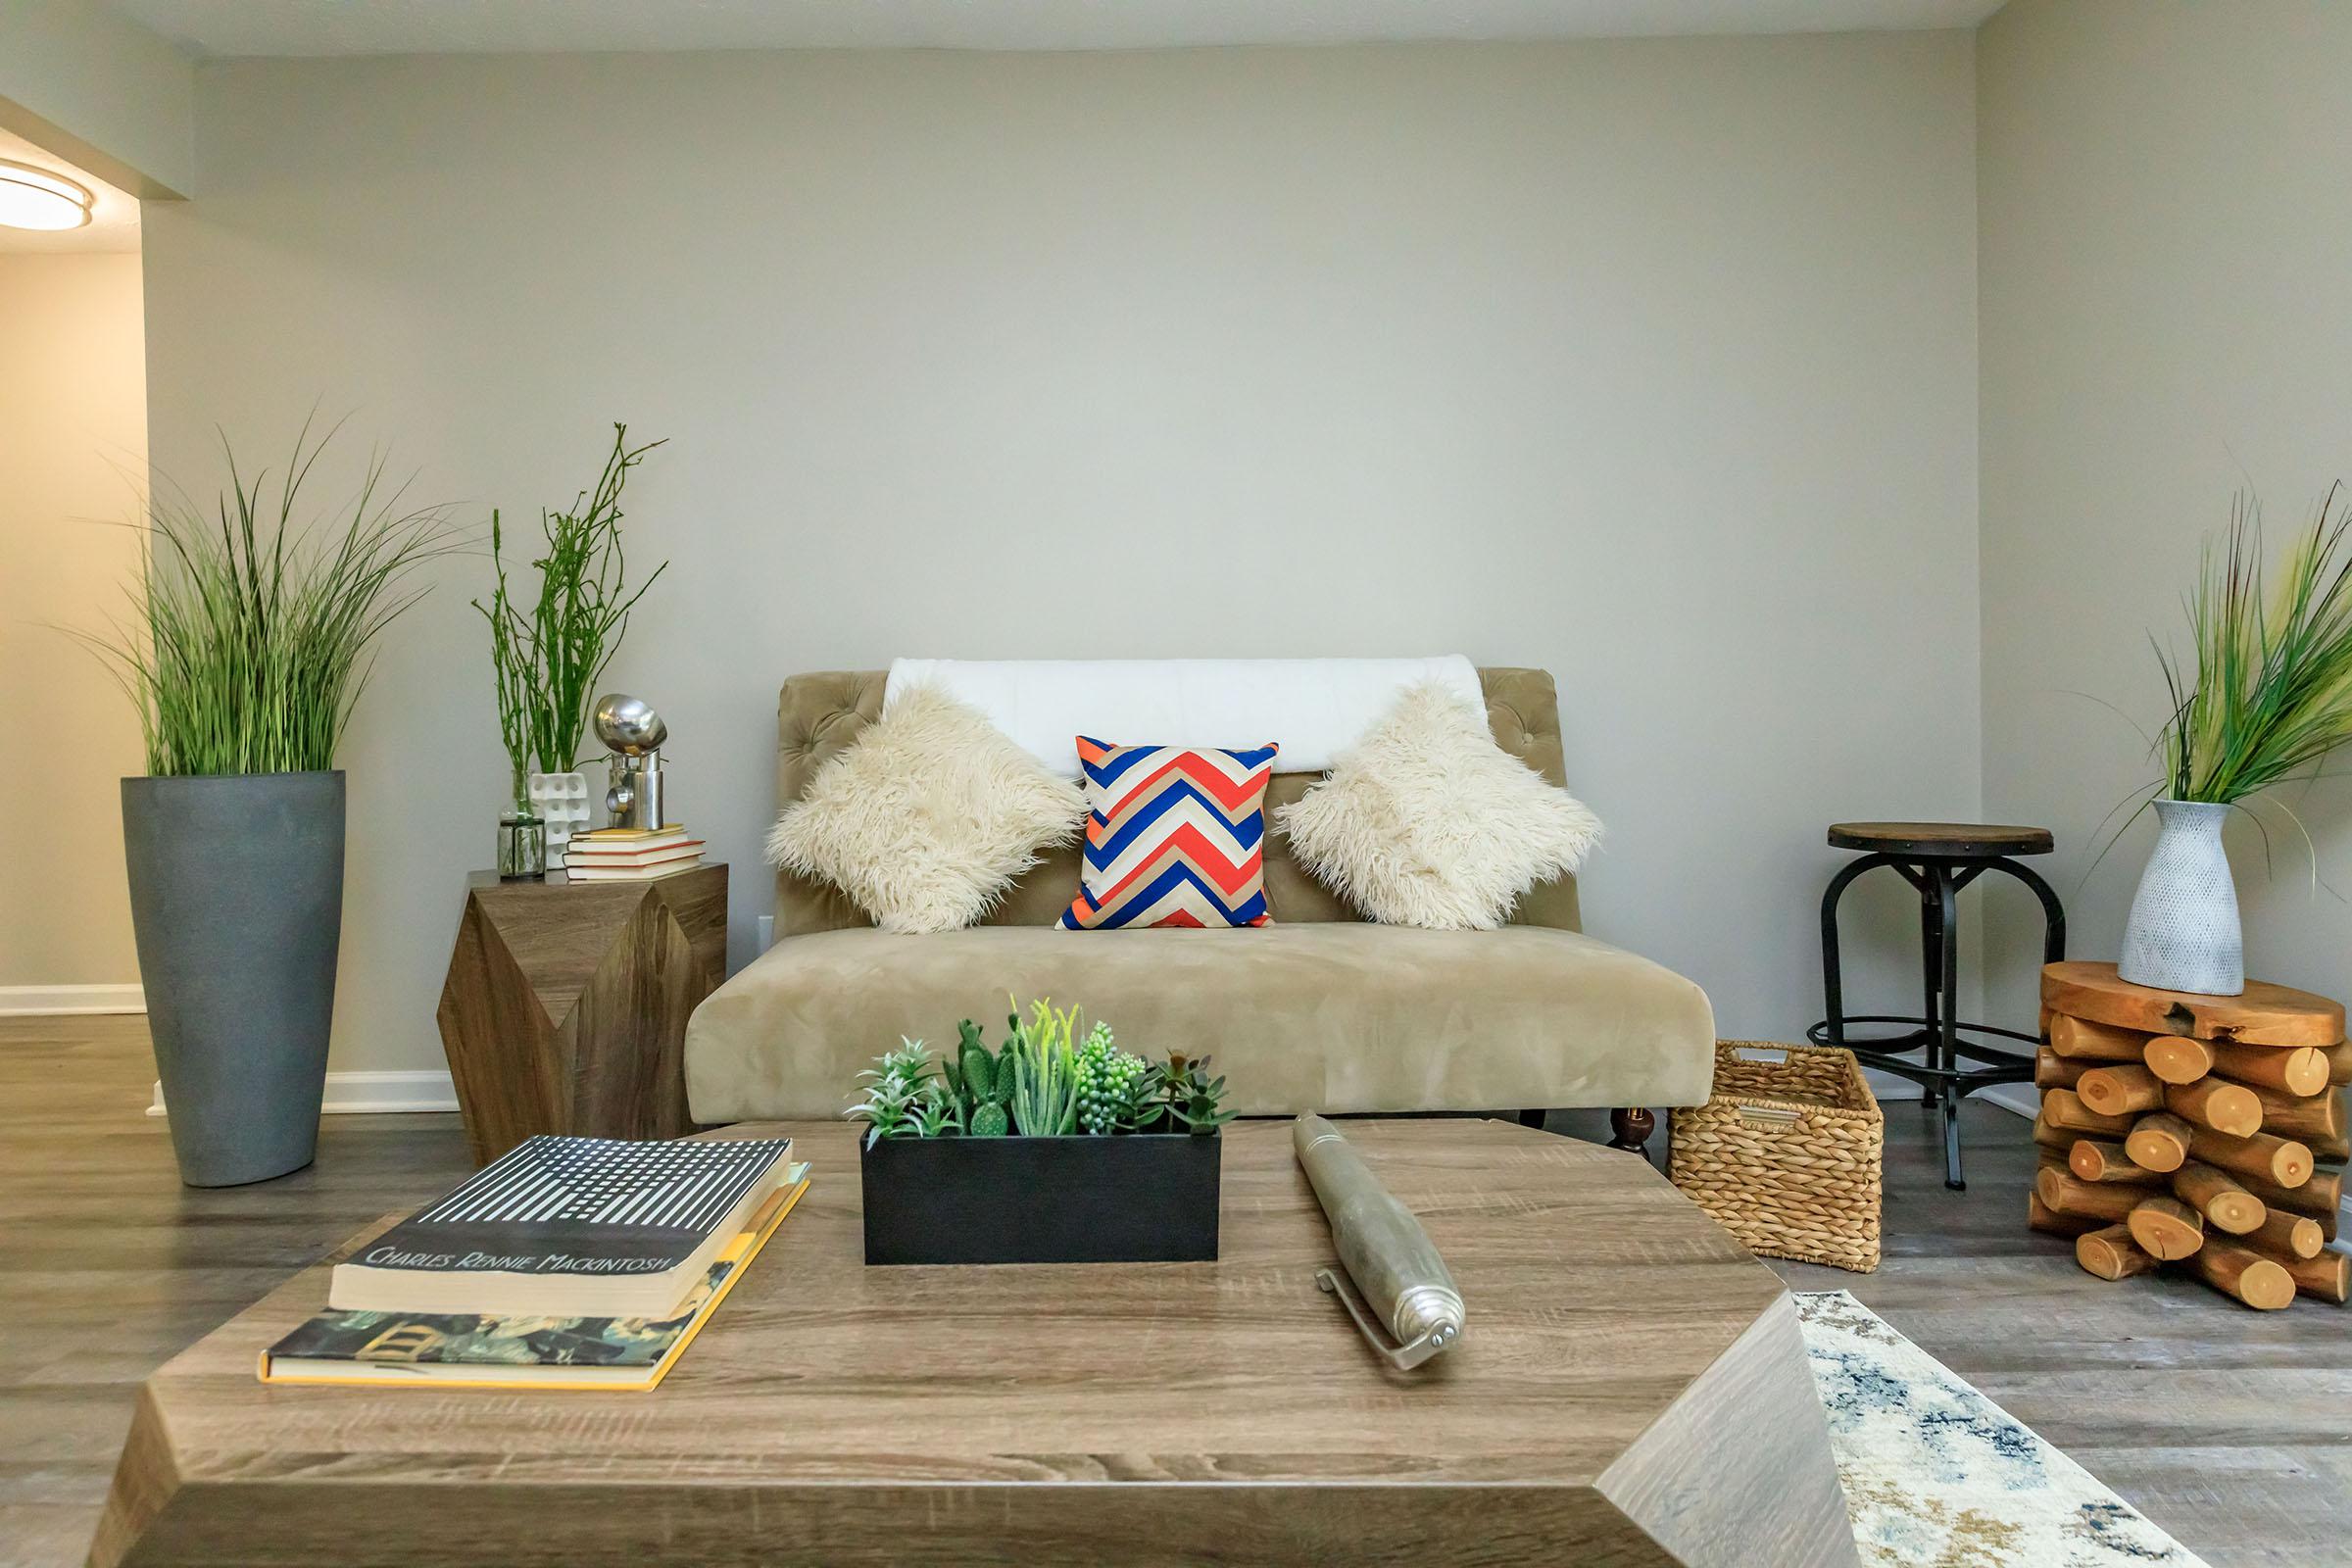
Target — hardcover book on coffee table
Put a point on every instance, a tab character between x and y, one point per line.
510	1351
569	1227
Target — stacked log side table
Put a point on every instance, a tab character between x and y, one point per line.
2203	1131
565	1007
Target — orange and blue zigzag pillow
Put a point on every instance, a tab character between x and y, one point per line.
1174	836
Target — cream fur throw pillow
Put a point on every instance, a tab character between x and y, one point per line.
1426	821
927	817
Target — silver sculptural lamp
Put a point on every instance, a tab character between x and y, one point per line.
633	732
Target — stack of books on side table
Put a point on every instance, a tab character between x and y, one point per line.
630	855
565	1263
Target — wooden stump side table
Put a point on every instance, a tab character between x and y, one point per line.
2207	1131
566	1006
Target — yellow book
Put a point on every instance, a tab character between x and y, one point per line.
438	1351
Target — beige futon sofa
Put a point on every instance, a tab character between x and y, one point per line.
1317	1010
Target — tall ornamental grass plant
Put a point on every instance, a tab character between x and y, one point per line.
250	635
2269	690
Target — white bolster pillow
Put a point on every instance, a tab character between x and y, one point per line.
1315	708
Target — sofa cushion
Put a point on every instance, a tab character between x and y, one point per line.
1320	1016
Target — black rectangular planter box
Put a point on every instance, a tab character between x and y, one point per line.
1131	1197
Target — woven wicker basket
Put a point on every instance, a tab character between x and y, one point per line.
1786	1152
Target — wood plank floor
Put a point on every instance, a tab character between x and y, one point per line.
2232	1429
108	1266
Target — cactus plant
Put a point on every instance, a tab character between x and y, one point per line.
980	1085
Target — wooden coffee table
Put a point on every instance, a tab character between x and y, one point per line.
1631	1389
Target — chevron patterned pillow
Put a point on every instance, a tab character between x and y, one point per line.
1174	836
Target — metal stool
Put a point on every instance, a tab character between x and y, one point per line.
1938	859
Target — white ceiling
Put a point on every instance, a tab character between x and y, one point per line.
113	223
468	27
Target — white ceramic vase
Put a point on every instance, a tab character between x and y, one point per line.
2183	933
560	800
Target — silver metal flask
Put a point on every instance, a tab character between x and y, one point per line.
1402	1282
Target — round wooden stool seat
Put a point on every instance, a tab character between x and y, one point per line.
1945	840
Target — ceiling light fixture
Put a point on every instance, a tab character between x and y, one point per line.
35	198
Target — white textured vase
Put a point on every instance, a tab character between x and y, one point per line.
560	800
2183	933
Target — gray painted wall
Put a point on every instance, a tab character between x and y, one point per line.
2167	317
1653	363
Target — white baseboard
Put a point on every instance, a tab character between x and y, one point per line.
2021	1099
372	1093
42	1001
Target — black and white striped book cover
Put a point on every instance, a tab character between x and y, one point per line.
573	1208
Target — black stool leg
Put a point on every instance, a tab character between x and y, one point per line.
2053	913
1932	968
1946	1046
1944	1083
1832	989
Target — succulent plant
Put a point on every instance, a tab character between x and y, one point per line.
1111	1084
893	1094
1044	1082
1045	1072
1189	1095
938	1113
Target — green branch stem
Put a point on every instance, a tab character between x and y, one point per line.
546	663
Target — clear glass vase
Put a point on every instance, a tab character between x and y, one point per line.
522	846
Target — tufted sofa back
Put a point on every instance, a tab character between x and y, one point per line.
818	714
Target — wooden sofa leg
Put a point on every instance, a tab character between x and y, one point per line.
1532	1118
1630	1127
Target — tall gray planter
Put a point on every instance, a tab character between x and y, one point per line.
237	895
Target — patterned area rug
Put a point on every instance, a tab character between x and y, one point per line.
1937	1476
